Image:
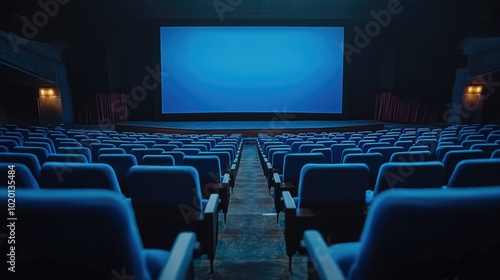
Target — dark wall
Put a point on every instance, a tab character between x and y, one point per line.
18	104
130	59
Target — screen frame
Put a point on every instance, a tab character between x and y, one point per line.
271	116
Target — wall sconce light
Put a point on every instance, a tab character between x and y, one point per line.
474	89
47	92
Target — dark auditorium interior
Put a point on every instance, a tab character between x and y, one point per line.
250	139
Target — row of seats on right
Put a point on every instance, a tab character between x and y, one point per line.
283	170
333	198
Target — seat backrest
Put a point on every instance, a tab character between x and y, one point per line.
475	173
139	153
372	160
369	146
95	223
19	141
493	138
208	167
452	158
3	149
275	149
29	160
307	148
270	149
58	175
95	147
293	163
129	147
487	148
67	158
324	185
165	187
178	156
166	200
386	152
430	234
201	147
45	140
337	151
409	175
17	175
431	144
405	144
416	148
8	143
121	163
224	158
229	150
469	143
296	145
165	147
160	160
188	151
44	145
278	159
417	156
327	154
496	154
40	153
76	150
115	151
443	150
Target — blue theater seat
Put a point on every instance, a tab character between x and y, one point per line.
331	199
211	178
168	200
289	181
29	160
121	163
58	175
159	160
407	175
476	173
89	234
418	234
22	177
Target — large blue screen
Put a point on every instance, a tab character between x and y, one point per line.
251	69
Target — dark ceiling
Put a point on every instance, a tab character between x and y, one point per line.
73	23
76	17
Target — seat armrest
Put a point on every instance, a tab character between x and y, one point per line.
288	200
268	171
181	257
276	179
212	205
225	180
232	171
323	263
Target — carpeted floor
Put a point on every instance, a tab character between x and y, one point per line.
251	243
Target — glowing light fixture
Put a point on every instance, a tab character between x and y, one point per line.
47	92
474	89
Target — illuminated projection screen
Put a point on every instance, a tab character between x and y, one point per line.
251	69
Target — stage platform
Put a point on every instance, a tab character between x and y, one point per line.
247	128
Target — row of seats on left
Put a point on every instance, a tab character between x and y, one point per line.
158	214
85	234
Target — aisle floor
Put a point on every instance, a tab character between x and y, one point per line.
251	243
